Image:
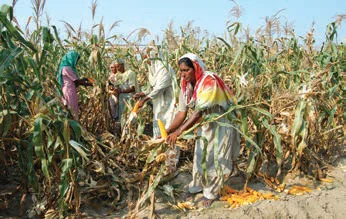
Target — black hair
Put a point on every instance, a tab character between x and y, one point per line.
186	61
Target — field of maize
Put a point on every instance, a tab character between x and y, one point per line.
289	95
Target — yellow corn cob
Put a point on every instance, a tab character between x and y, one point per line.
245	194
225	198
302	188
135	108
267	195
230	201
234	205
250	190
238	199
188	205
91	80
181	206
161	157
281	187
277	181
272	179
326	180
162	129
252	198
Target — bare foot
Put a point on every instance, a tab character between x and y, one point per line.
207	202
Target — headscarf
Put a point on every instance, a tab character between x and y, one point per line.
118	61
209	90
70	60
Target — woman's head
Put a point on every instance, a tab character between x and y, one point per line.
187	70
191	61
119	64
71	58
113	67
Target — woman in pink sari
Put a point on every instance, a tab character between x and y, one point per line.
219	142
68	79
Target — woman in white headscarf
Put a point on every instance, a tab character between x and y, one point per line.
205	93
162	95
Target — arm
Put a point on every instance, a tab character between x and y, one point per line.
177	121
67	71
127	90
172	137
83	81
142	101
156	92
153	94
131	81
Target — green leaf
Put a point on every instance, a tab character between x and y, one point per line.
6	9
298	120
263	111
76	129
252	163
7	57
39	129
15	33
277	141
224	41
78	148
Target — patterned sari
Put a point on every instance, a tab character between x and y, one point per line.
210	95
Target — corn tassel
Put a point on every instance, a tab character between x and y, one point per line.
162	129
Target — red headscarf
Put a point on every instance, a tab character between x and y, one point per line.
211	88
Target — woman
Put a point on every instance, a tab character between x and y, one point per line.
205	93
162	96
69	81
114	80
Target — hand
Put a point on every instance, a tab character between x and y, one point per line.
86	82
116	90
141	103
172	138
138	95
111	87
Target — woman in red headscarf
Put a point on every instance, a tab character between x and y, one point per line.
205	93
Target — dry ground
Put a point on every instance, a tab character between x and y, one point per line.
329	201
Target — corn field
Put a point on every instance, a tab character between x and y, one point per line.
288	94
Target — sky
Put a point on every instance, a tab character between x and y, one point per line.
209	15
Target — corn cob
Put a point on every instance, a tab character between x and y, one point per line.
162	129
135	108
91	80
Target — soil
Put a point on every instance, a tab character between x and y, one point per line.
327	200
